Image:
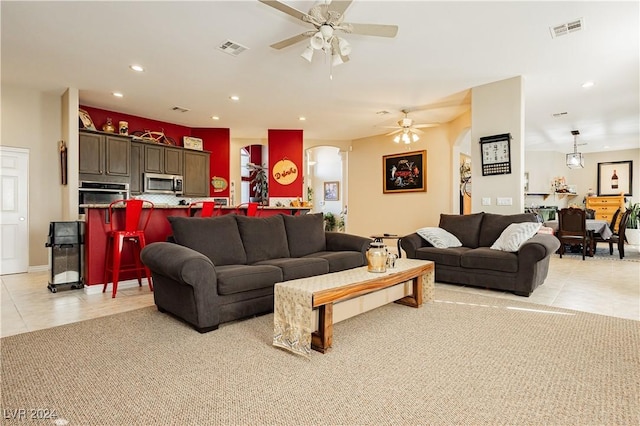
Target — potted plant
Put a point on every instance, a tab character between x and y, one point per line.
632	231
259	183
330	222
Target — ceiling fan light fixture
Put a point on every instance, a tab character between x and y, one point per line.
344	47
308	53
397	139
414	137
336	59
317	41
326	31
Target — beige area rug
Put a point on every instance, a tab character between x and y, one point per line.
464	359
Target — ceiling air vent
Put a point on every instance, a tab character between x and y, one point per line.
179	109
569	27
232	48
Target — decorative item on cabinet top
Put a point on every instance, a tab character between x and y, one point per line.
151	136
190	142
85	120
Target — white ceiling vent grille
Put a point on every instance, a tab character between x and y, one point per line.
232	48
569	27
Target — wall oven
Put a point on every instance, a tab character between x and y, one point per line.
101	193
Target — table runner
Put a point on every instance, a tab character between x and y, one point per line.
293	302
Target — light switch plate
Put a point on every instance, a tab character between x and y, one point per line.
505	201
486	201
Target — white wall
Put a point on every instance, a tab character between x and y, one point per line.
498	108
32	120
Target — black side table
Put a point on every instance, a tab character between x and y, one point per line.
379	237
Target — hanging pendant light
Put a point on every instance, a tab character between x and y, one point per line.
575	160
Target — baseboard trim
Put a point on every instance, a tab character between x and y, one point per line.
38	268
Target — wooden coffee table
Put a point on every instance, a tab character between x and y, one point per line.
295	300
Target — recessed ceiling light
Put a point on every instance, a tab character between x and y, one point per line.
215	117
234	97
302	118
588	84
118	94
136	68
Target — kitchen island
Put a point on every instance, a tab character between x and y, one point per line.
98	224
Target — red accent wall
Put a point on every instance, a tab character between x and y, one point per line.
215	140
175	131
218	141
285	144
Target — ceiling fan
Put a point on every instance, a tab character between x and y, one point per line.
406	129
328	19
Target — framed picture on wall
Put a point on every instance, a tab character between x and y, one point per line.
615	178
332	191
405	172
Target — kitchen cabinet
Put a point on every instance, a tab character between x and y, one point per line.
196	173
163	159
103	156
137	164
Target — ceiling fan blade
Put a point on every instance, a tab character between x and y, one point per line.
422	126
339	6
418	131
379	30
285	9
390	127
394	132
292	40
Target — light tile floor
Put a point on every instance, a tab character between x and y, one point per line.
606	286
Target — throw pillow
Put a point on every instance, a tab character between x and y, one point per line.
438	237
515	235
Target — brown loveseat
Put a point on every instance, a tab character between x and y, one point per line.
476	264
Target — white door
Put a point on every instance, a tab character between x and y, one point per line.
14	209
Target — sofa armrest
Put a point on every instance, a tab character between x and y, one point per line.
412	242
180	264
537	248
339	241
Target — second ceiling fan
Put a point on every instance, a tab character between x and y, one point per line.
407	131
328	19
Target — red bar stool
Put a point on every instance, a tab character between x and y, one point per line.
252	209
207	208
133	233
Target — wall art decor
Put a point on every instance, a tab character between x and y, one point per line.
615	178
332	191
405	172
190	142
496	154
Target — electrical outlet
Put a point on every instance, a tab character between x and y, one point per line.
486	201
505	201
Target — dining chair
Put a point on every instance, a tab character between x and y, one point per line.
619	237
597	238
572	230
207	209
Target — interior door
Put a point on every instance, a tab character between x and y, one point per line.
14	209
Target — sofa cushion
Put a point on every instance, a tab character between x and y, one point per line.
465	227
241	278
294	267
515	235
341	260
493	260
305	234
447	256
217	238
263	237
493	225
439	237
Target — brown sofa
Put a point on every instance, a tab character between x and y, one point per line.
476	264
224	268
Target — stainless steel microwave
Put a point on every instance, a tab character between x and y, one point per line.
155	183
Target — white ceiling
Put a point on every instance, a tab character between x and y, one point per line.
441	51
